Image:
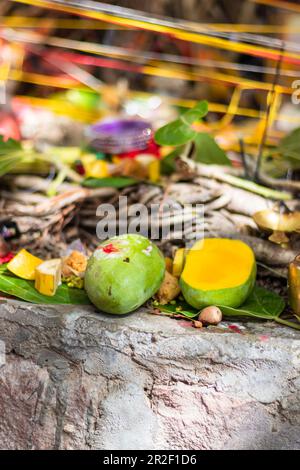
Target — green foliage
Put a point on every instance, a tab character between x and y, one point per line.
10	154
181	131
208	151
289	148
180	307
8	145
175	133
25	290
168	163
109	182
261	304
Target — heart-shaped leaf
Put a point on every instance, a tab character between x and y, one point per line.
196	113
208	151
176	133
262	303
179	132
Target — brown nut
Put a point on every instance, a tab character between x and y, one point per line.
210	315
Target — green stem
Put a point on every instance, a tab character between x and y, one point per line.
279	274
52	190
256	188
291	324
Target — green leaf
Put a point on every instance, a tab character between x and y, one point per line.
208	151
109	182
196	113
179	308
8	162
168	164
261	303
25	290
289	147
3	267
9	145
175	133
180	132
291	142
10	154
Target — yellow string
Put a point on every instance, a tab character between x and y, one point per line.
62	107
75	23
285	5
4	71
178	72
231	109
60	82
213	107
58	23
160	68
175	32
275	107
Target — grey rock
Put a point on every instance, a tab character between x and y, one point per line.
77	379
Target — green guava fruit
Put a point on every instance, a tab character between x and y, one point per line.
123	273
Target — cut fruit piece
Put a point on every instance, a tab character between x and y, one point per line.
168	290
94	168
48	276
169	264
74	264
178	262
24	265
218	271
154	170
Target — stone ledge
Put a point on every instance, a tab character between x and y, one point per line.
76	379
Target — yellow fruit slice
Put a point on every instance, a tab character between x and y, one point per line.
94	168
48	276
154	171
151	164
178	262
24	265
169	264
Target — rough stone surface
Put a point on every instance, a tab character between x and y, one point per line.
75	379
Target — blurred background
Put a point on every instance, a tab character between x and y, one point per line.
67	67
221	51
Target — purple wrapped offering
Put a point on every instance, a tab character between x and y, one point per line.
120	135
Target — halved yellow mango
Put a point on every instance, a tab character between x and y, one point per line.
24	265
218	271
